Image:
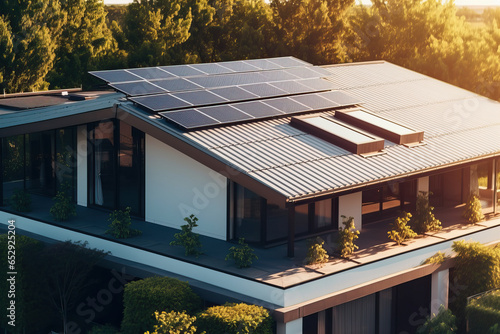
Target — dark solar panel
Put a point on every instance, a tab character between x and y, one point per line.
160	102
264	90
149	73
137	88
189	118
225	113
318	84
239	66
263	64
234	93
226	80
182	70
278	75
293	87
176	84
200	97
340	97
211	68
115	76
303	72
289	62
257	109
315	101
286	105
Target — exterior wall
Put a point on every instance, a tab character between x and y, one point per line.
81	168
292	327
178	186
350	205
423	184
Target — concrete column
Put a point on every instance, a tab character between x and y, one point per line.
439	290
292	327
423	184
81	165
350	206
321	322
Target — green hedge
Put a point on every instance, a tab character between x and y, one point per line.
483	313
142	298
235	319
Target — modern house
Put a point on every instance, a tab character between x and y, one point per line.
275	151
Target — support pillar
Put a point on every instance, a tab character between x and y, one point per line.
292	327
81	165
496	171
291	231
439	290
423	184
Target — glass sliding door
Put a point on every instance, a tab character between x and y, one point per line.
13	156
40	163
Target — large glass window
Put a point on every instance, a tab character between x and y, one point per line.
323	214
248	214
13	157
485	184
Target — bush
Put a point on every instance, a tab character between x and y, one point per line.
316	254
483	313
143	298
437	258
424	220
63	208
242	255
187	238
473	211
443	323
235	319
347	236
174	323
21	201
401	231
120	224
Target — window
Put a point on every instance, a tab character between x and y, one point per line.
248	217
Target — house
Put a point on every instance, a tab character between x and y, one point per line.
274	151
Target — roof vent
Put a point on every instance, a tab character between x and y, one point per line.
339	133
397	133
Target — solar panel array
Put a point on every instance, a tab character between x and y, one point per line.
201	95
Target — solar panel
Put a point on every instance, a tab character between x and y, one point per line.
115	76
226	80
200	97
264	90
318	84
234	93
149	73
287	105
176	84
160	102
225	113
136	88
341	98
258	109
289	62
292	87
189	118
303	72
211	68
239	66
278	75
315	101
182	70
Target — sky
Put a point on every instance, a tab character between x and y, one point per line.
457	2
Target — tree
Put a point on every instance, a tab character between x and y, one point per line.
401	230
67	267
347	236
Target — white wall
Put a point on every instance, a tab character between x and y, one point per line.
423	184
81	168
350	206
177	186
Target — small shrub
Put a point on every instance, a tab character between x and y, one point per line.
483	313
443	323
424	220
235	319
120	225
437	258
174	323
64	207
316	254
187	238
401	231
242	255
347	236
473	211
21	201
143	298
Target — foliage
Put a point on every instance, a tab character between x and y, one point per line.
21	200
316	254
477	269
30	317
187	238
103	329
442	323
347	237
401	230
66	271
64	207
424	220
142	298
174	323
437	258
495	329
120	224
483	313
473	211
235	319
242	255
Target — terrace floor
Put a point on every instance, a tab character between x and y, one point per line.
273	266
